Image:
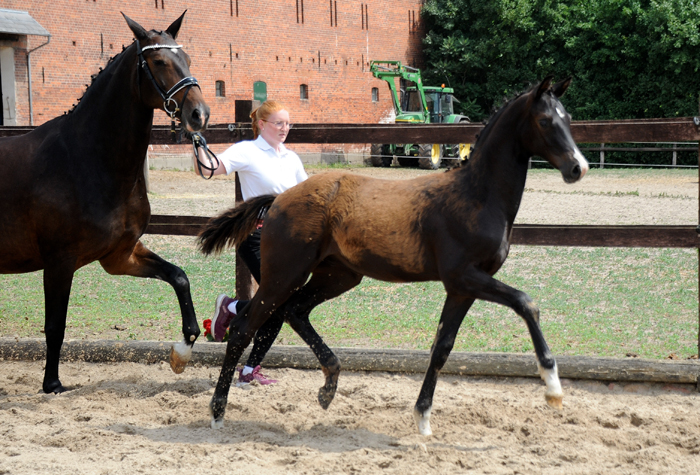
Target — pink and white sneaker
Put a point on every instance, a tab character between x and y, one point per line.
256	375
222	317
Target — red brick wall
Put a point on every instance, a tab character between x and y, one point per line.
266	42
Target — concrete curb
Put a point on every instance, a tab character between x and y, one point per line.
362	359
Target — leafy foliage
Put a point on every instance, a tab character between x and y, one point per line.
629	58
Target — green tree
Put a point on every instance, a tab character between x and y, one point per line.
628	58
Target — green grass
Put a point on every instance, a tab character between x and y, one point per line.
593	301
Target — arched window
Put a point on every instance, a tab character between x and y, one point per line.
304	92
220	89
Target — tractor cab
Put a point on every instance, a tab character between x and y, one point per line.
439	103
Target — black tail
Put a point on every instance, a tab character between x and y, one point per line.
233	226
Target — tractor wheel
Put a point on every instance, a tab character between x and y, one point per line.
377	156
429	156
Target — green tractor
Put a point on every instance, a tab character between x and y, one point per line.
417	104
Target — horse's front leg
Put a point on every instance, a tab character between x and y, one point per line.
58	279
141	262
453	313
482	286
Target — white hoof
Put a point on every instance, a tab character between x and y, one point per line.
217	424
423	421
554	394
180	355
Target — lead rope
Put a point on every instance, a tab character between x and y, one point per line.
198	142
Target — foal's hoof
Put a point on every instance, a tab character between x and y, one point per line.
423	421
217	423
180	355
554	402
325	397
217	409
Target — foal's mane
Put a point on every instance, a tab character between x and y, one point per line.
493	119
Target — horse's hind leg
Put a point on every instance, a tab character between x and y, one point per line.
141	262
58	279
241	331
329	280
453	313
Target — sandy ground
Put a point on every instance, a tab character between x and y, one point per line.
131	418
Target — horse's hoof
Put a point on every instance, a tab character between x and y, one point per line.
423	422
554	402
217	409
217	423
56	388
180	355
325	397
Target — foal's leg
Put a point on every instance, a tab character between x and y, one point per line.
328	281
58	279
453	313
141	262
481	285
265	304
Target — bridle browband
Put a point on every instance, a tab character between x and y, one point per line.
167	96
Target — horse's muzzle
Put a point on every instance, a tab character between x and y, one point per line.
577	169
195	119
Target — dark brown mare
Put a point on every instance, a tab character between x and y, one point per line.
73	189
453	227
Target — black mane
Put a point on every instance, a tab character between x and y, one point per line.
94	78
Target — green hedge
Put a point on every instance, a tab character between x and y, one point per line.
629	59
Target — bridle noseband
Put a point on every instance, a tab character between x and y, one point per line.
167	96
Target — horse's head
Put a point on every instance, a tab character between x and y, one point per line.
164	76
549	136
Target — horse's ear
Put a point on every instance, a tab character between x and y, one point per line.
139	31
543	86
175	27
560	88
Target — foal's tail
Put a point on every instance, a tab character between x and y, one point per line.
234	225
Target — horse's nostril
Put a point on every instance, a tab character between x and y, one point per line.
576	171
196	115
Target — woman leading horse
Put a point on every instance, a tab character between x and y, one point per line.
322	236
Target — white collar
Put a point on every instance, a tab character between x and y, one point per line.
263	145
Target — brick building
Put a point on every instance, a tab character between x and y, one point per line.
312	55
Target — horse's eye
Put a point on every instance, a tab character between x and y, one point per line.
544	123
159	62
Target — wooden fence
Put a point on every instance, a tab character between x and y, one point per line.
685	129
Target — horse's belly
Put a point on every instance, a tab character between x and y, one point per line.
395	265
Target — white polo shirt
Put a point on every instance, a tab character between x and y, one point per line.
261	170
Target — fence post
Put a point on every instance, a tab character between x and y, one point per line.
675	154
245	283
602	155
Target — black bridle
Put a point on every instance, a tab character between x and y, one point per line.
167	96
186	83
